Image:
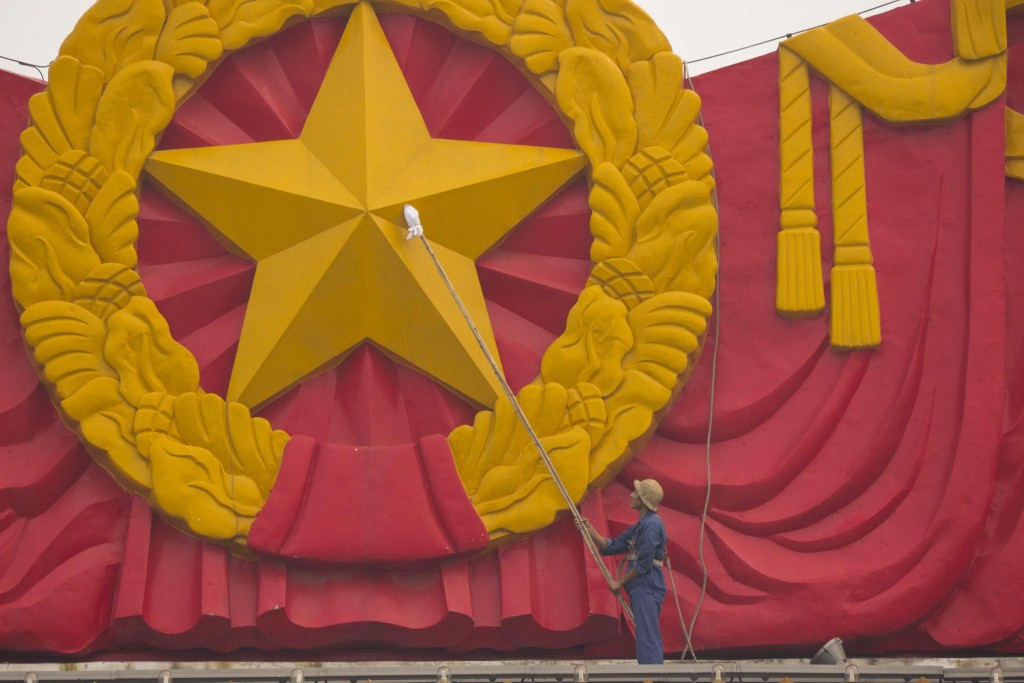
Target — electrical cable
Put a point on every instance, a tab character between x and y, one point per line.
688	634
40	67
416	230
679	609
716	307
37	67
790	35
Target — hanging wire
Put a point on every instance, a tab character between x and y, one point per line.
717	307
40	68
717	327
776	39
679	610
37	67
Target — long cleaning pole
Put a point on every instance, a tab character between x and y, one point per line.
412	219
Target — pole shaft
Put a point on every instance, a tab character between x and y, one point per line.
589	542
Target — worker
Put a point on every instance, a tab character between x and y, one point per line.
644	545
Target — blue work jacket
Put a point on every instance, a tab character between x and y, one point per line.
644	542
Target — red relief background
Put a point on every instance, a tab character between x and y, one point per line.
874	496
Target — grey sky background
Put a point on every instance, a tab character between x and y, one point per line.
32	30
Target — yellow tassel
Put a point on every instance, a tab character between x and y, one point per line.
799	290
856	320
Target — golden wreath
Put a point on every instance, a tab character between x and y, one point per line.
132	392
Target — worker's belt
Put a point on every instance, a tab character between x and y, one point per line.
657	563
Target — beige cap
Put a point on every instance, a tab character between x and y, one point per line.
650	493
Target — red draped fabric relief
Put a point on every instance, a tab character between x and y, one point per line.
875	496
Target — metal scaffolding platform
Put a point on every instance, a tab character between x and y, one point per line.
567	672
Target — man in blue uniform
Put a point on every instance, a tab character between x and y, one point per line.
644	545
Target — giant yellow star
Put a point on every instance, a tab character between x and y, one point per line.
322	218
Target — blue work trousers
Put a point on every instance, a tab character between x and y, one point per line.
646	606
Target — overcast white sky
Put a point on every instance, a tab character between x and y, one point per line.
32	30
